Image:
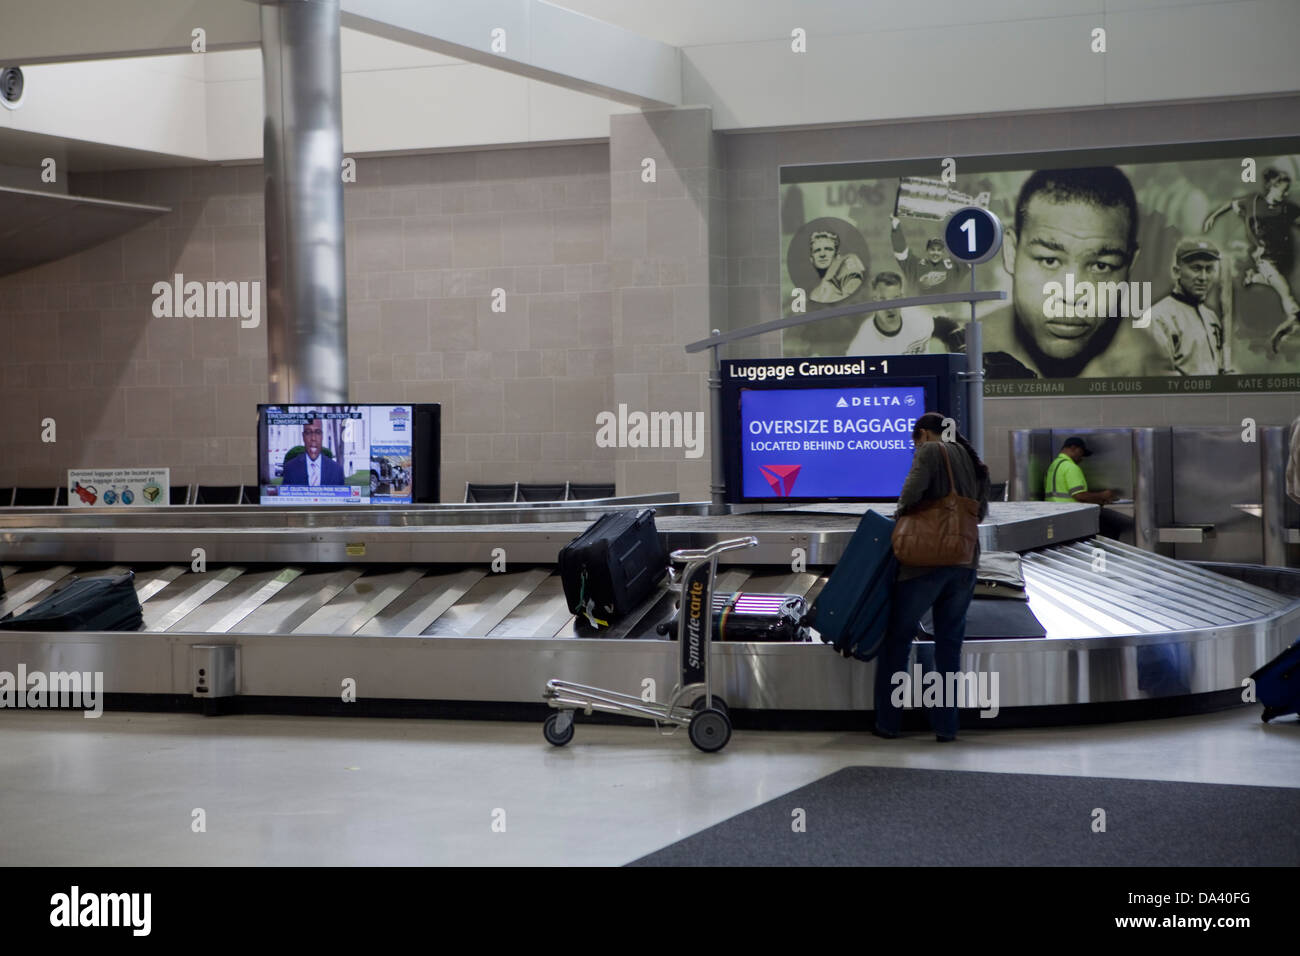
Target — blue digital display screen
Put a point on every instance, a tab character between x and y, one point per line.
827	442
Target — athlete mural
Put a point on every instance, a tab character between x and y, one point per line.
1154	270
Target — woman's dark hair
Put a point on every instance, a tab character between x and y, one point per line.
934	422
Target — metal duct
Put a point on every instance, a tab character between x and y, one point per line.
307	339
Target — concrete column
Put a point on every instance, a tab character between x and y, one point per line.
306	330
668	277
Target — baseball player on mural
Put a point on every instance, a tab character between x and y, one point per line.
1184	323
1269	218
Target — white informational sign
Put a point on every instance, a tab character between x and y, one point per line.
119	487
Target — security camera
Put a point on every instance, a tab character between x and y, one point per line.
11	87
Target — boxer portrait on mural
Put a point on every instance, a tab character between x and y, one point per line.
1076	228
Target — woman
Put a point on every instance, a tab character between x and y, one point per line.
947	590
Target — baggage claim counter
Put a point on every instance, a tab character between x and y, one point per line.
458	610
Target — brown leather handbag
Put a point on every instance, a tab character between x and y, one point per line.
942	532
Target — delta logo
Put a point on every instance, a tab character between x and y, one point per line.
781	478
399	416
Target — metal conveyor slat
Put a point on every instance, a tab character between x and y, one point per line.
421	604
296	602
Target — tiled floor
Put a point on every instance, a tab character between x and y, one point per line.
122	789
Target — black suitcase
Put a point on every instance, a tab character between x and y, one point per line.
750	616
992	619
747	616
613	566
1277	684
86	604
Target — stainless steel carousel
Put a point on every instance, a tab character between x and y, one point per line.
453	605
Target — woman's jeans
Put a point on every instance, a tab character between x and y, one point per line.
948	591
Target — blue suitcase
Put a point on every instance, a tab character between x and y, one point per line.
852	611
1277	684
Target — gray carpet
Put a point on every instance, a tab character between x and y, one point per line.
889	816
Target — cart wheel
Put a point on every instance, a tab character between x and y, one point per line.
553	736
710	730
718	704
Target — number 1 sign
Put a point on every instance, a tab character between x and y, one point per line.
973	235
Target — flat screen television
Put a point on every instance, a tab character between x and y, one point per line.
837	429
849	442
348	454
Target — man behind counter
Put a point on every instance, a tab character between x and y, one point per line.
1066	482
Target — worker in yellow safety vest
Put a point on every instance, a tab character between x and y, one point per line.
1065	481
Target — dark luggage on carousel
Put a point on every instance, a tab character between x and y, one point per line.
751	616
852	611
613	566
86	604
992	619
1000	576
1277	684
748	616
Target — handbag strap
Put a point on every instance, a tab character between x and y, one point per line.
952	482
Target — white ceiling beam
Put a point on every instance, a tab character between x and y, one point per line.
536	39
56	31
531	38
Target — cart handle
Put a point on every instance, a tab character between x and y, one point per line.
703	554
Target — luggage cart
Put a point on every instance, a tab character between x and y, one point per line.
705	718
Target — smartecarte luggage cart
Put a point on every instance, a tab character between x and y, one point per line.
705	718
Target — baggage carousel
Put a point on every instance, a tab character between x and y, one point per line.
457	609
